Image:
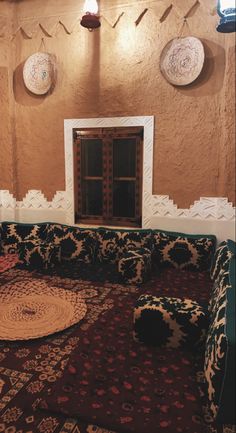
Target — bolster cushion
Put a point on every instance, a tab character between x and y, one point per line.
170	322
113	243
135	265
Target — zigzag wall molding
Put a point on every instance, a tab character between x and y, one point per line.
135	12
206	208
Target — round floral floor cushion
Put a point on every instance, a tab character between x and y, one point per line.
135	265
170	322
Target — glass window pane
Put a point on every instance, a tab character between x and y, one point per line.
124	199
124	157
91	156
92	197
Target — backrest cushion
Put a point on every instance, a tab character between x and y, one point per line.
41	255
76	243
113	243
14	233
221	258
183	251
220	346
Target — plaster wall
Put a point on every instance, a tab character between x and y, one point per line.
115	72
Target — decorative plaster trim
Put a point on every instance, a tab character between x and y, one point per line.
157	209
34	199
207	208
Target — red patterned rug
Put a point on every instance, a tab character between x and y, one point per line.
8	261
93	377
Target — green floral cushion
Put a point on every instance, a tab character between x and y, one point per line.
183	251
76	244
220	346
14	233
170	322
113	243
135	266
39	255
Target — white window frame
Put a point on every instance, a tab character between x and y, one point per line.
147	122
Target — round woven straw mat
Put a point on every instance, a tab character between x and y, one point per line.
32	309
39	72
182	60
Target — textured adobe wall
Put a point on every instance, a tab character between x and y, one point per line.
115	72
6	103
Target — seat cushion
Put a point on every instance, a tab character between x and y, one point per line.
135	265
183	251
170	322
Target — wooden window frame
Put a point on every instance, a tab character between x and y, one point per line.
108	134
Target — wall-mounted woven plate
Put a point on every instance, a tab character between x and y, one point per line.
182	60
39	73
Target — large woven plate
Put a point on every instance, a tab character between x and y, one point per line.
39	73
182	60
32	309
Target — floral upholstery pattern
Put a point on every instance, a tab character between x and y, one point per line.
182	251
76	244
221	259
220	345
170	322
39	255
113	243
135	265
14	233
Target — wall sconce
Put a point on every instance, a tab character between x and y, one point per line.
90	20
227	12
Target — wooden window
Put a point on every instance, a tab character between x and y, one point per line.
108	175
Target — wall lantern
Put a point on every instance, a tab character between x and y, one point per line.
227	12
90	20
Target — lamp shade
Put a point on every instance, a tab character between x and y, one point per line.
227	12
90	6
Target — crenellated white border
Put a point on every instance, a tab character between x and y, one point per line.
214	215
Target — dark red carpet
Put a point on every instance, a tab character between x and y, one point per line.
94	374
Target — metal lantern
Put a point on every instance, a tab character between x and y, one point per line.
90	20
227	12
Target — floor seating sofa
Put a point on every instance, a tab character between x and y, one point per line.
131	251
161	352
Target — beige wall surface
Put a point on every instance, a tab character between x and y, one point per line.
115	72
